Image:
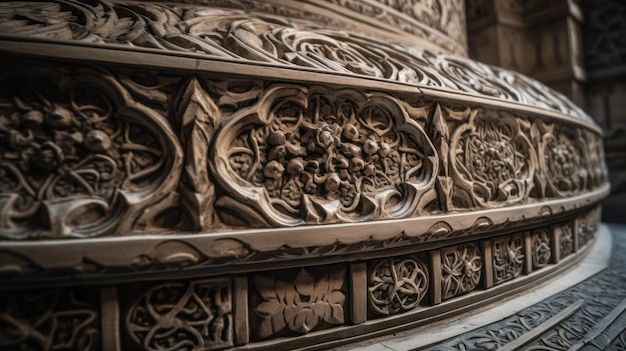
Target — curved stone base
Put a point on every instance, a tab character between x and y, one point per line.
186	176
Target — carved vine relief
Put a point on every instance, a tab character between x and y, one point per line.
87	153
79	156
234	35
183	316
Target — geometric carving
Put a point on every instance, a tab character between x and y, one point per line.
461	269
311	155
493	161
59	319
78	156
302	303
508	257
396	284
587	225
183	316
541	251
565	235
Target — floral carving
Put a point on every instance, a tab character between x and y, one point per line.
304	156
494	161
540	248
302	304
49	320
563	162
183	316
508	258
78	156
461	270
396	284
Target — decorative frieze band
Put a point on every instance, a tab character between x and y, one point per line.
88	152
286	303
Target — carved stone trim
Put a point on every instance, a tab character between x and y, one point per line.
287	303
280	43
323	156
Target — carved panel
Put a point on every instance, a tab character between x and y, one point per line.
565	234
508	257
461	269
541	249
56	319
493	161
79	156
587	226
309	155
194	315
396	284
562	154
299	301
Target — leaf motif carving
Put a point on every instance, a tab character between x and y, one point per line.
198	116
301	303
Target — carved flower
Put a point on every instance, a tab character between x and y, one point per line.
302	304
273	170
97	140
59	117
32	119
563	163
48	156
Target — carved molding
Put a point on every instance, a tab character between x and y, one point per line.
336	185
233	35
